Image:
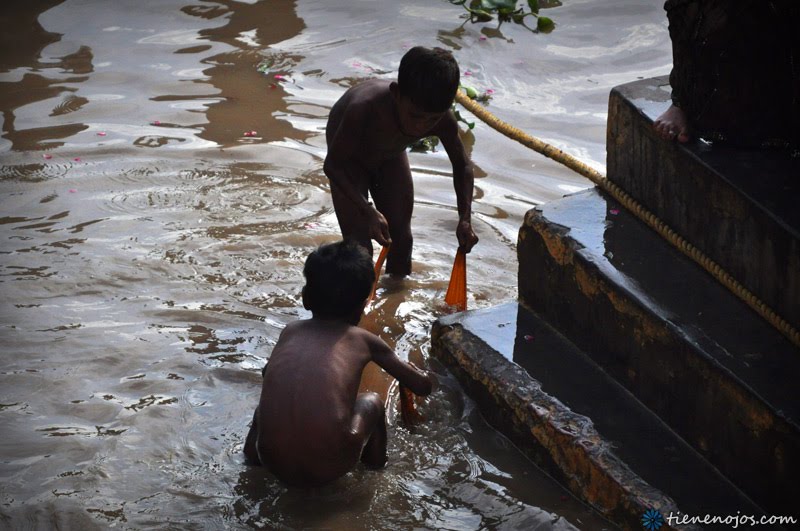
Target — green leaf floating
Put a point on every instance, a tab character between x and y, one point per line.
471	92
507	10
545	24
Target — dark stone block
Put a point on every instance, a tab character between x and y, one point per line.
692	352
739	206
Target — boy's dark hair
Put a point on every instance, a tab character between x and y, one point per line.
429	77
339	278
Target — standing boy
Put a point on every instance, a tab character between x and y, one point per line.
368	131
311	425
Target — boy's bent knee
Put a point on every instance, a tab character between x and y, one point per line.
367	412
369	403
371	432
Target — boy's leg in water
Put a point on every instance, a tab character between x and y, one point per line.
369	429
250	443
250	448
393	192
352	223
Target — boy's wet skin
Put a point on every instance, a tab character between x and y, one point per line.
311	425
368	132
309	430
371	110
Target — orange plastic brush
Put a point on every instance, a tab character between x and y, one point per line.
457	290
378	268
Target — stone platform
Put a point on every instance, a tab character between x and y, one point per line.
625	370
741	207
576	422
693	353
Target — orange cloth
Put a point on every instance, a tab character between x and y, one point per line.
408	408
457	290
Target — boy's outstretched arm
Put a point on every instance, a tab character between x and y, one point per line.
419	382
463	179
342	150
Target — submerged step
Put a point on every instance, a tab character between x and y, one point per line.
576	422
693	353
739	206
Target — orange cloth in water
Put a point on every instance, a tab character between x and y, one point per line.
408	404
457	290
408	408
378	267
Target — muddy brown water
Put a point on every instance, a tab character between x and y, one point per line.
151	252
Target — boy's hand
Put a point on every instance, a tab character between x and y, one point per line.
466	236
379	228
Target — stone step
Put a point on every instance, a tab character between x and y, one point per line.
739	206
688	349
578	423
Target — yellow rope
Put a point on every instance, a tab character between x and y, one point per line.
548	150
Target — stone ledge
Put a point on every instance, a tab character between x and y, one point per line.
693	353
563	443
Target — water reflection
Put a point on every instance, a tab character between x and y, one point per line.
22	43
22	36
251	100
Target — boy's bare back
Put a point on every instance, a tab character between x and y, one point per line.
308	429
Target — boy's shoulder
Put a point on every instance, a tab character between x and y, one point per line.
369	91
317	326
326	335
374	84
